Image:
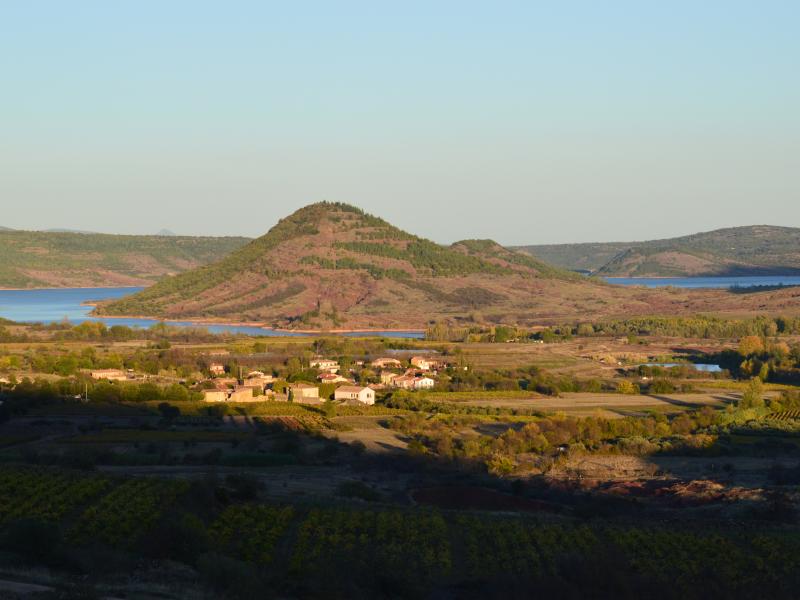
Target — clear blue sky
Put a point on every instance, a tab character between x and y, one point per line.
525	122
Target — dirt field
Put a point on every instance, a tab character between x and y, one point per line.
736	470
613	405
368	430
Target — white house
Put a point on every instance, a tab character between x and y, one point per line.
422	363
423	383
323	364
216	369
354	393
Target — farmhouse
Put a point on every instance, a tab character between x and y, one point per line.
422	363
354	393
413	382
216	369
109	374
240	394
332	378
387	377
386	363
423	383
215	396
325	365
304	393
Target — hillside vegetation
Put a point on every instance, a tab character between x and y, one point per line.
332	266
30	259
736	251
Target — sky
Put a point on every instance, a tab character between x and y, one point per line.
526	122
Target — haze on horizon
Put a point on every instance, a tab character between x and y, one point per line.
529	123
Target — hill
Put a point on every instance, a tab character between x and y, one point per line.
334	266
30	259
735	251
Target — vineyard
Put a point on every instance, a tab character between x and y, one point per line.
302	545
44	494
111	510
127	511
786	415
251	532
410	545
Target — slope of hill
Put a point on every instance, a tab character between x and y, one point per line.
333	266
31	259
753	250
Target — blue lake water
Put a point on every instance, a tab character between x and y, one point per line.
706	368
707	282
49	306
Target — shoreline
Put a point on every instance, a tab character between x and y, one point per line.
257	325
93	287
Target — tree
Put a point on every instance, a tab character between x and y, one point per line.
751	345
753	396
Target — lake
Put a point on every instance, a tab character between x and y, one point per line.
52	305
706	282
705	368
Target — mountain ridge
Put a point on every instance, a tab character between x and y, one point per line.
730	251
31	259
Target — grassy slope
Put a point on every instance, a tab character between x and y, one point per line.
49	259
756	249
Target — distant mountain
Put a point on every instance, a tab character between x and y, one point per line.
6	229
333	266
64	230
735	251
166	232
68	259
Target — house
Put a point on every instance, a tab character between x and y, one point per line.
216	369
241	394
404	382
324	365
223	383
258	379
387	377
413	382
110	374
386	363
354	393
423	383
304	393
214	396
332	378
422	363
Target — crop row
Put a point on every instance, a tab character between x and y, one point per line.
407	544
44	494
129	510
250	532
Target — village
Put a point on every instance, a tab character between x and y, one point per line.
355	385
418	373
